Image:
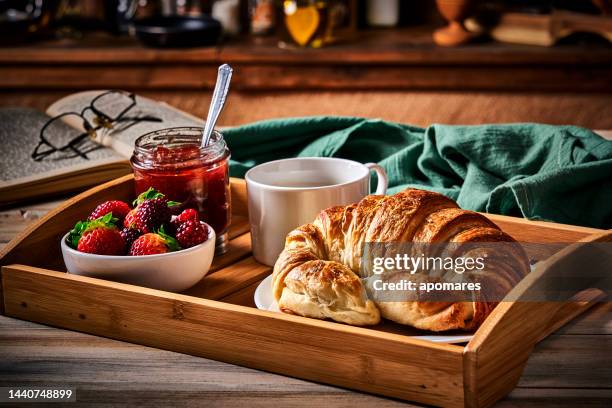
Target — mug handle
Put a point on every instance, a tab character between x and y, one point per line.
383	180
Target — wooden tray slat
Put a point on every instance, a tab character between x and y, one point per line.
239	248
244	296
352	357
240	226
566	313
541	232
230	279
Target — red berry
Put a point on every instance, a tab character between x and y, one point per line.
188	214
99	236
119	209
152	211
102	241
151	244
129	236
129	219
134	222
191	233
150	215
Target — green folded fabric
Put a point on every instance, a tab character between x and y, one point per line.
540	172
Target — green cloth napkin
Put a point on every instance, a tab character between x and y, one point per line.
540	172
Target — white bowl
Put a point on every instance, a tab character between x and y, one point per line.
173	271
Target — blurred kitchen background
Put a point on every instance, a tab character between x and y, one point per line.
413	61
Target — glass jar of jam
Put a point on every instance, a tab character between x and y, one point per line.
173	162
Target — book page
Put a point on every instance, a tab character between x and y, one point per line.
606	134
19	135
121	136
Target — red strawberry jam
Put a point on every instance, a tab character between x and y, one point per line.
172	162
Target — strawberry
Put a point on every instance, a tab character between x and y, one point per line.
102	241
118	208
154	243
191	233
99	236
130	219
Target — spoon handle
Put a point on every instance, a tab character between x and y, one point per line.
224	77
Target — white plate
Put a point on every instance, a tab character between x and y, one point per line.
265	301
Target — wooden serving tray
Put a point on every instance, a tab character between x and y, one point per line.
217	318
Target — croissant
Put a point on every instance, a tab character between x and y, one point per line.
319	273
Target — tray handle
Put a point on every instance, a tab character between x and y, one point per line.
495	357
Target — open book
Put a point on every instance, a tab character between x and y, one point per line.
22	177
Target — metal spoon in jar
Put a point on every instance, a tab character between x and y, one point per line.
224	77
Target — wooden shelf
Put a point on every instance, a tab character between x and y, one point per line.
377	59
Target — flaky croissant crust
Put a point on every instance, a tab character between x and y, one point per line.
334	243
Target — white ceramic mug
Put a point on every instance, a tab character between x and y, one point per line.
285	194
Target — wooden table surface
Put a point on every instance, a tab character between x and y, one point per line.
571	368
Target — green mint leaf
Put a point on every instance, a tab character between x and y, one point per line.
173	203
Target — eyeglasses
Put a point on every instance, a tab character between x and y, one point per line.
103	113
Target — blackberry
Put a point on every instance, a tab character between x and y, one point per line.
152	214
129	236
